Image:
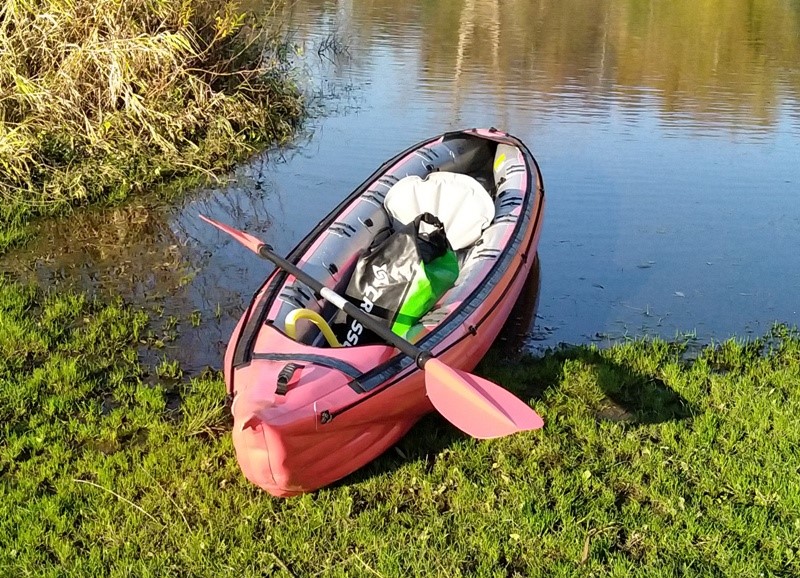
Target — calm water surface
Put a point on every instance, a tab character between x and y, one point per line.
668	135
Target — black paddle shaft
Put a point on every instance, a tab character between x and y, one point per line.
420	356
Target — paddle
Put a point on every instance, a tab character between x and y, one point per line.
475	405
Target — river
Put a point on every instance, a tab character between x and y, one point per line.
668	135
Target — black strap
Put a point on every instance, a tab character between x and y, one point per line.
285	376
323	360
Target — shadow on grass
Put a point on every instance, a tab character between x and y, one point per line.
613	391
622	393
618	393
628	395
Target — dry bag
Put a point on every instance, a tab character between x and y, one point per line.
398	280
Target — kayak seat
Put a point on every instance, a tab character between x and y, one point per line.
510	183
459	201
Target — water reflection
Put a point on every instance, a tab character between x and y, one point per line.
122	250
157	257
718	63
520	327
668	134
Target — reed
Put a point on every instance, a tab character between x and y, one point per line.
100	99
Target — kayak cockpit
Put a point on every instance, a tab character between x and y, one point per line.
331	257
331	252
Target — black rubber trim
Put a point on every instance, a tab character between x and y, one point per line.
323	360
255	316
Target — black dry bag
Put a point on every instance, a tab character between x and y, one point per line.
398	280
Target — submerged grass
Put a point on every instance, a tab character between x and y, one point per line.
103	98
650	464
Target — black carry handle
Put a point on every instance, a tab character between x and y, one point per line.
434	244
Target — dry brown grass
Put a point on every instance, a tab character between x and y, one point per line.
101	98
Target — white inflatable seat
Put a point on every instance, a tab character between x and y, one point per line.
459	201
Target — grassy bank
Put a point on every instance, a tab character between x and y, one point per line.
106	98
649	465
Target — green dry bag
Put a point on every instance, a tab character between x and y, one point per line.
398	280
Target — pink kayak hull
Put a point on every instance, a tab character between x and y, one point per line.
338	409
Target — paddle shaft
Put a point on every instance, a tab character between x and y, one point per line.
420	356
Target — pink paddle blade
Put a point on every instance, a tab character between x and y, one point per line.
249	241
475	405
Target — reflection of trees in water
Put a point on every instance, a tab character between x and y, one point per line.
108	250
155	257
725	61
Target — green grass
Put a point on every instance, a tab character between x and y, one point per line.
654	461
103	99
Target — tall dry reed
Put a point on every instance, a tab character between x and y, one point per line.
101	98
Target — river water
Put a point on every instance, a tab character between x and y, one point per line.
668	134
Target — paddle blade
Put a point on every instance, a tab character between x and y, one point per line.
249	241
475	405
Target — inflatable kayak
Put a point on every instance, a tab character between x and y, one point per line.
308	410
